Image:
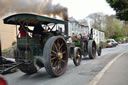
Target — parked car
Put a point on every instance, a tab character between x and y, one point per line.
115	43
111	43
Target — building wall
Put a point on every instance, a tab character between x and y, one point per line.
7	34
98	36
75	27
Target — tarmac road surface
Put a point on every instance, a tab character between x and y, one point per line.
117	73
80	75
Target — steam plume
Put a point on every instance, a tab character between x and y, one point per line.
33	6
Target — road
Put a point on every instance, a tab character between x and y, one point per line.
117	74
80	75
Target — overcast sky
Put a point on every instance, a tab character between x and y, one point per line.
82	8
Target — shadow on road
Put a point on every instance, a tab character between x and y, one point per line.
39	76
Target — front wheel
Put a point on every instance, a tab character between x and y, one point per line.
77	56
55	56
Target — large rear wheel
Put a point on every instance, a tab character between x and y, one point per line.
92	49
55	56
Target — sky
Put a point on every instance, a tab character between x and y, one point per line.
80	9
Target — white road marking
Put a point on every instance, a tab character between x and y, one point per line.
97	78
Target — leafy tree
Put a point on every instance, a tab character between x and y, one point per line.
121	8
113	27
109	26
117	32
125	29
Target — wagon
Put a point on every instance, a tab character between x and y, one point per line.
43	45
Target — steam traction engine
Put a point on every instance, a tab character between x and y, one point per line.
42	48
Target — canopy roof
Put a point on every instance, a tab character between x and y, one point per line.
30	19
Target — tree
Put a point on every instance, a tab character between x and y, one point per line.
121	8
125	29
97	20
113	27
118	32
110	26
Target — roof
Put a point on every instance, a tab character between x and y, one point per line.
30	19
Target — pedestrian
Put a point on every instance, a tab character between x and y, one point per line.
74	37
85	37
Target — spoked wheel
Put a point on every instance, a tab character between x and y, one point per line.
77	56
55	56
26	68
92	49
71	50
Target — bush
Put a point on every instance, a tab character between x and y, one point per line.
13	43
9	52
102	44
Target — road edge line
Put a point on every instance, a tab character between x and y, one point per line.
97	78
